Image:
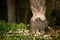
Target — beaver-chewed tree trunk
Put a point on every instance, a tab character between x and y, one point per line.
38	20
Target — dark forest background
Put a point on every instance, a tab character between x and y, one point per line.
23	12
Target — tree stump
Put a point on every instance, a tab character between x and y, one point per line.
38	20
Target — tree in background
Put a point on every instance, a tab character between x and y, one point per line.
50	5
11	11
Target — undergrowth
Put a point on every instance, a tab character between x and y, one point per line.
20	32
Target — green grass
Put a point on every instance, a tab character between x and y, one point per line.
19	32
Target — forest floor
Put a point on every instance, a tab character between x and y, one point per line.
23	34
20	32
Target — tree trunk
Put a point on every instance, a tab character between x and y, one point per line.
25	19
50	5
11	11
38	20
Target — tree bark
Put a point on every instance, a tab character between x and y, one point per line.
50	5
38	20
11	11
25	19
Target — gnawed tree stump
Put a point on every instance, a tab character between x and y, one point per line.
38	20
